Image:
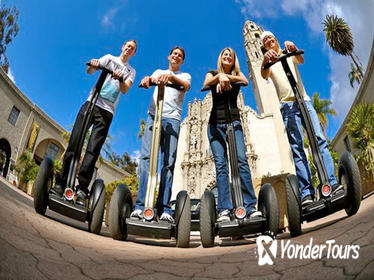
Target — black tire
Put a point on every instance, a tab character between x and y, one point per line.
96	206
349	177
183	218
293	205
119	209
268	205
42	184
207	219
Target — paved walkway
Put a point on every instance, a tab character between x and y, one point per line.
55	247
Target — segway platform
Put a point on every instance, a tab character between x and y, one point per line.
325	206
152	229
241	227
67	208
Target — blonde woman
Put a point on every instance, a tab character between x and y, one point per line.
228	71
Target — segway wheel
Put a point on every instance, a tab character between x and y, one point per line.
349	177
207	219
268	205
96	206
43	182
293	205
119	209
183	218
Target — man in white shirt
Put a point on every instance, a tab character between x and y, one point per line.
292	116
101	119
171	116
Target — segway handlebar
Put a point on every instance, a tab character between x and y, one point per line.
178	87
106	69
283	56
234	84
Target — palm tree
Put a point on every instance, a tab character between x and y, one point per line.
360	128
141	128
323	109
339	36
354	75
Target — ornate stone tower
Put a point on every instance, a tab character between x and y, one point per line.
265	94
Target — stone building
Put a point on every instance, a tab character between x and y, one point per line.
23	125
267	148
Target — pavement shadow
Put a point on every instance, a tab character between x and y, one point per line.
160	242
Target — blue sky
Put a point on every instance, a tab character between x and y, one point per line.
56	38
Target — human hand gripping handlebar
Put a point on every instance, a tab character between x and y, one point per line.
178	87
121	79
282	57
234	84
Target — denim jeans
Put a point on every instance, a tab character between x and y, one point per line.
217	135
169	142
292	120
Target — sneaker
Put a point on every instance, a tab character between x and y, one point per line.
137	214
336	188
306	200
81	198
224	216
57	190
167	218
254	214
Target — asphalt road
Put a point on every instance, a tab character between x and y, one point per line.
56	247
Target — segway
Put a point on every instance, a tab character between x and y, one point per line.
120	223
65	205
240	225
328	200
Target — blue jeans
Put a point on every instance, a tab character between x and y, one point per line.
292	120
217	138
169	141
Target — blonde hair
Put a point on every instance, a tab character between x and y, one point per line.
235	69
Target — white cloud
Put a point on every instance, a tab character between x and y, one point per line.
11	75
357	14
135	156
107	19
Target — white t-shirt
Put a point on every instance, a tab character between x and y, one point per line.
173	98
110	92
281	83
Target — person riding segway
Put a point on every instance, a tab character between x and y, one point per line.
236	216
161	130
65	197
297	111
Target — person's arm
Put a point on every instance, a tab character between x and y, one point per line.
240	78
177	81
220	78
270	55
149	79
124	87
291	47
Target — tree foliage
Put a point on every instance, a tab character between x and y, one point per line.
26	167
124	162
323	109
131	181
8	30
339	37
354	75
360	128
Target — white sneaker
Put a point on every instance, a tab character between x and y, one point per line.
224	216
167	217
254	214
137	214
